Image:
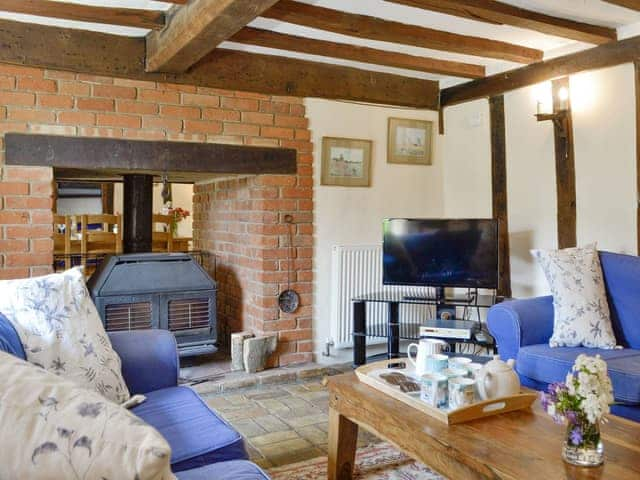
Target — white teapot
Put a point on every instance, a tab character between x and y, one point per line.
497	379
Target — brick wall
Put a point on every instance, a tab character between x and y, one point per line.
240	220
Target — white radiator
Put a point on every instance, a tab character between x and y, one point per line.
356	270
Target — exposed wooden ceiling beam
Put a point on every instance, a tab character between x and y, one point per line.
387	31
130	17
118	56
607	55
197	28
490	11
630	4
270	39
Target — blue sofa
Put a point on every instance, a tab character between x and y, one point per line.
522	329
204	447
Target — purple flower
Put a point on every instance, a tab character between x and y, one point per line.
545	400
576	436
571	416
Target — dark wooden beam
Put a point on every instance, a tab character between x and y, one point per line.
118	56
107	197
388	31
196	29
145	157
607	55
271	39
636	65
498	13
130	17
630	4
499	191
565	167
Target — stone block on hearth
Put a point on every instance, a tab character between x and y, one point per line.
257	350
237	347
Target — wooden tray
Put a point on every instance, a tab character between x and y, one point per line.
369	374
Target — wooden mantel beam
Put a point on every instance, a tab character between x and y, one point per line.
123	57
373	28
197	28
490	11
630	4
145	157
130	17
602	56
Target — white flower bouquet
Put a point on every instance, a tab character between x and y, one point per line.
582	401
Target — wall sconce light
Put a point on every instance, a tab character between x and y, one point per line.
556	111
563	98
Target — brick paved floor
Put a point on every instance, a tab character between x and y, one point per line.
281	424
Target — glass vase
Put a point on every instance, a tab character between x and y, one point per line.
583	445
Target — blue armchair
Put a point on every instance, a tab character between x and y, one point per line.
522	329
203	445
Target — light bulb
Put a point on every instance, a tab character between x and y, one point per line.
563	94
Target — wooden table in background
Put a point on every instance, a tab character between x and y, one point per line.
180	244
515	446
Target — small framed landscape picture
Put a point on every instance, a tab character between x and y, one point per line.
346	162
409	141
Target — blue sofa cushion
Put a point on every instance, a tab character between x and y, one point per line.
197	436
9	339
232	470
622	279
547	365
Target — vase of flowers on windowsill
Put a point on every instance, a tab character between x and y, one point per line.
582	401
178	215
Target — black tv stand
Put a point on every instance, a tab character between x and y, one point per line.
393	300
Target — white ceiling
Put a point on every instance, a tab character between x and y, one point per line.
589	11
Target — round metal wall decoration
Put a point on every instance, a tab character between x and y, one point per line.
289	300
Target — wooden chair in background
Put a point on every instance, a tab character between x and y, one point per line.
162	240
95	243
62	240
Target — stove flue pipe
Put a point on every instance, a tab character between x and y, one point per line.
137	213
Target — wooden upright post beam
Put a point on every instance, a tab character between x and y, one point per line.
499	191
565	165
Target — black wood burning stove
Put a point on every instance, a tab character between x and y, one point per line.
158	290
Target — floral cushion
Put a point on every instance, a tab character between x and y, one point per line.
581	311
51	428
61	331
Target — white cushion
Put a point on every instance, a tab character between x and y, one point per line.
51	428
581	311
61	331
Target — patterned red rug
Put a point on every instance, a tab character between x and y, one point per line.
375	462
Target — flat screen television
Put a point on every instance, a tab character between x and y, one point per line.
441	253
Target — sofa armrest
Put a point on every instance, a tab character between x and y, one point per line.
517	323
149	359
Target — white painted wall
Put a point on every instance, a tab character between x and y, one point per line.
604	129
604	125
466	155
353	216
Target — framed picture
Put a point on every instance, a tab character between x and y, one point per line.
346	162
410	141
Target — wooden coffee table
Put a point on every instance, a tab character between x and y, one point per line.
518	445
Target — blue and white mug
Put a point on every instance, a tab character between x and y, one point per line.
433	389
436	363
